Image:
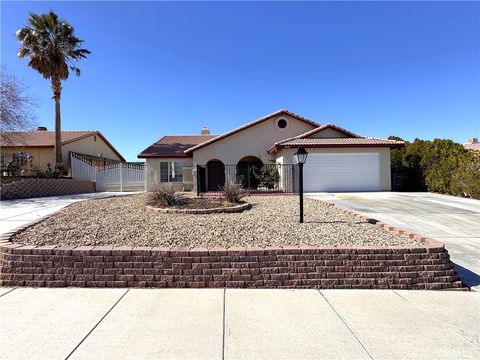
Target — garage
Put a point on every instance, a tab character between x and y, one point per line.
342	172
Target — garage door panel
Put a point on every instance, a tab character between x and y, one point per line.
342	172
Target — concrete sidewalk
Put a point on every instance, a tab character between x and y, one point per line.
20	212
238	324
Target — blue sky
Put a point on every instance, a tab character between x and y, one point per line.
409	69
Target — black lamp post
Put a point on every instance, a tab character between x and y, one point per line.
301	156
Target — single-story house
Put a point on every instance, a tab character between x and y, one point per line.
338	160
35	149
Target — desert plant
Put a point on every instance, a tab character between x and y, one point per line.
233	191
165	195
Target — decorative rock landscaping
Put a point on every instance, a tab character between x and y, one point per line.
216	210
272	221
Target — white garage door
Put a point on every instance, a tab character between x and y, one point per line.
342	172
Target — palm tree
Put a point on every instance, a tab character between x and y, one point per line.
52	50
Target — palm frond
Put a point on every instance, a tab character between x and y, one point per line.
51	45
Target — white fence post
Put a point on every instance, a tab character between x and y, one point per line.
120	167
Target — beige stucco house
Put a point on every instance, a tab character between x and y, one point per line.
338	159
36	148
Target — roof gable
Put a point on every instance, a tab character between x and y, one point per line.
47	138
349	140
250	124
173	145
326	127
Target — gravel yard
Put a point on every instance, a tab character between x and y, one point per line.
272	221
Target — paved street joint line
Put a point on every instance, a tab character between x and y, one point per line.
98	323
8	292
453	331
348	327
224	341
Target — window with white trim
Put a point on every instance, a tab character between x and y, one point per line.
171	171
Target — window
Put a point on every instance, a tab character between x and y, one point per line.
2	158
281	124
171	171
20	158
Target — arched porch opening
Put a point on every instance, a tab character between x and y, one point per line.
215	170
248	169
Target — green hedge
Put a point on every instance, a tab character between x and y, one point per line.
440	166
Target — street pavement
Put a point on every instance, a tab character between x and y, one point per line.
453	220
72	323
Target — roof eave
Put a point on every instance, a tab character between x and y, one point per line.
277	148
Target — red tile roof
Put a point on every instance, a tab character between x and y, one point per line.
335	142
174	146
255	122
47	138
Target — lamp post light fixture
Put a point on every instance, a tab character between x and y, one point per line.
301	157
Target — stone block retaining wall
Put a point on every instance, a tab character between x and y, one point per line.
29	188
423	267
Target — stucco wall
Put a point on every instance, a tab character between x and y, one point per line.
253	141
384	155
328	133
41	155
153	171
92	145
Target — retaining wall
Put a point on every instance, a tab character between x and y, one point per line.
37	187
424	267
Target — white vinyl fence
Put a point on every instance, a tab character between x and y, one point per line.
115	177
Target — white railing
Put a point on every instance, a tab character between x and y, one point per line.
118	176
81	168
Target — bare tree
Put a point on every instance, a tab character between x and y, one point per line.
16	107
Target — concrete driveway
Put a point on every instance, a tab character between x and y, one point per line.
452	220
20	212
238	324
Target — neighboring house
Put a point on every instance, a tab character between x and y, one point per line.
338	159
472	144
35	149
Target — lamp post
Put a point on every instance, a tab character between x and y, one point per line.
301	157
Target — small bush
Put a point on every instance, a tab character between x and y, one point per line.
269	177
165	195
233	191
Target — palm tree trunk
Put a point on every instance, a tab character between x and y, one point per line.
57	90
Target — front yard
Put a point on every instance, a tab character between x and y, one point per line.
272	221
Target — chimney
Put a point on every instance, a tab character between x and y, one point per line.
472	141
205	131
41	128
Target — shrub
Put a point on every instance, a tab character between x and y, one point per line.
466	180
440	165
233	191
165	195
268	177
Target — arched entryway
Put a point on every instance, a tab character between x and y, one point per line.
248	169
215	175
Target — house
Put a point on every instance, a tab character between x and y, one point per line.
472	144
338	160
35	149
